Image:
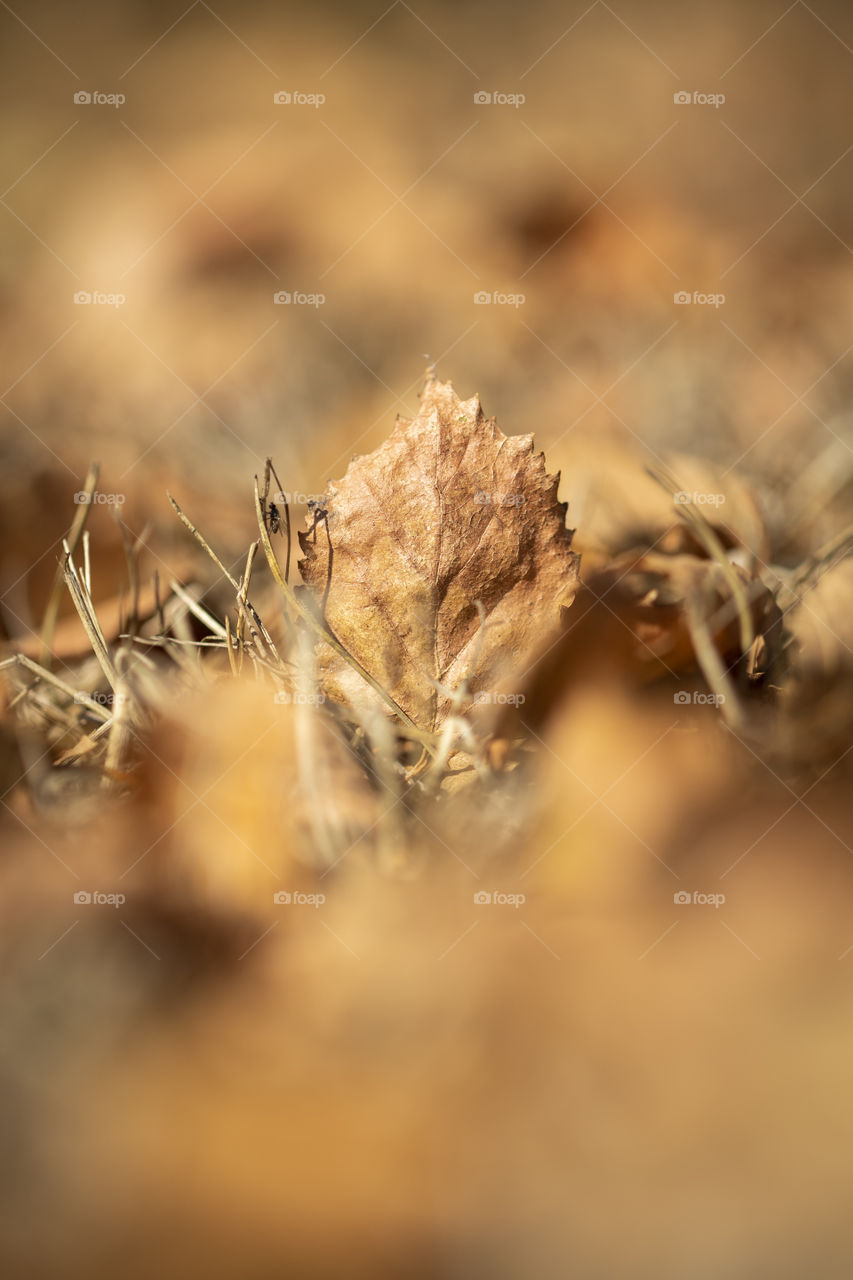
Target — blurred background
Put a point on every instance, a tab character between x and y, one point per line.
240	229
385	199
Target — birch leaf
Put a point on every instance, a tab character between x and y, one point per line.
448	512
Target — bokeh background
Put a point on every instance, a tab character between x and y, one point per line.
399	198
605	1084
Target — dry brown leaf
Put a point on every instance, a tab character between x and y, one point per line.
821	624
446	513
621	508
818	685
630	627
662	584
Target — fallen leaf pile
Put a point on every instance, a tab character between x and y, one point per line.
414	855
444	619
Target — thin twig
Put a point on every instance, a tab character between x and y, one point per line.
695	519
310	617
713	668
43	673
83	604
197	610
51	613
259	631
285	502
232	648
121	729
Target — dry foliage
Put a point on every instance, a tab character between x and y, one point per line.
301	794
447	560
